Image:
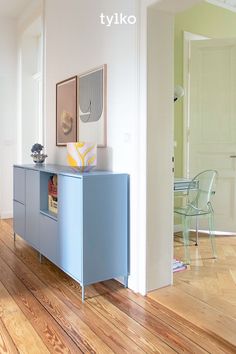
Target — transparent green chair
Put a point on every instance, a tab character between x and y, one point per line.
198	204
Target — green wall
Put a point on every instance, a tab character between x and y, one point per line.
207	20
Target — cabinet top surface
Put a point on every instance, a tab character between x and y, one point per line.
68	171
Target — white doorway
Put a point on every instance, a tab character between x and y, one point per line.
156	106
211	125
30	89
158	233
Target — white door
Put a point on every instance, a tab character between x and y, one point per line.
212	122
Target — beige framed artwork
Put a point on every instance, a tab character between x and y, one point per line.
66	111
92	110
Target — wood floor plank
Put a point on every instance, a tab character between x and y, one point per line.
50	332
7	345
109	333
98	324
22	333
73	300
214	300
51	281
81	334
168	334
209	340
149	342
208	289
174	344
198	311
191	331
113	319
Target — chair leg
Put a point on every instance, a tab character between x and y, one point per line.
196	244
185	223
212	234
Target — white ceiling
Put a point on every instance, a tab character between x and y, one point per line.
227	4
12	8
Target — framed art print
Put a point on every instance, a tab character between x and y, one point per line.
66	111
92	106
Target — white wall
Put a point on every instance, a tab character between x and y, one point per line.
159	149
75	42
8	89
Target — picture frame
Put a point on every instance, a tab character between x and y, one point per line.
92	106
66	111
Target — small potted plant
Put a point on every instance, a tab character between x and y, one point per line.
37	153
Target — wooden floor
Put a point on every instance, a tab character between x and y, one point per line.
41	312
206	292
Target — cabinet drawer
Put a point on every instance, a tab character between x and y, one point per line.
19	218
32	208
19	185
48	238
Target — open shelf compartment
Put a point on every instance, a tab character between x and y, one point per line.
44	208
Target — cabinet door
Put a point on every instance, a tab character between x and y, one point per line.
19	185
19	218
48	238
105	227
32	208
70	216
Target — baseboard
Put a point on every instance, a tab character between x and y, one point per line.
6	215
178	228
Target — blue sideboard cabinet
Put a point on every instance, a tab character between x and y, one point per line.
89	236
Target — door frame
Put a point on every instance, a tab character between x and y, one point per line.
159	231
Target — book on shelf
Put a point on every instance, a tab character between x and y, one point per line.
52	194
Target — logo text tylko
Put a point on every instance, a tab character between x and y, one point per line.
117	19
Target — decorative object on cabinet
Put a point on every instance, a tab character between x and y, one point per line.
66	111
89	236
92	106
37	153
81	154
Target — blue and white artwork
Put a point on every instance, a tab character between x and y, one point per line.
92	106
